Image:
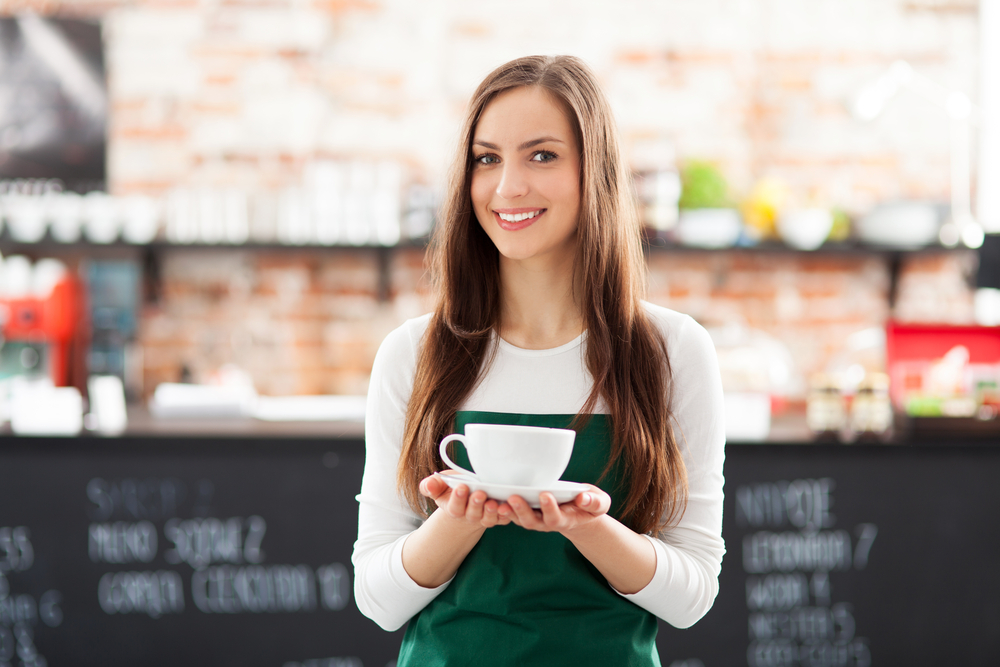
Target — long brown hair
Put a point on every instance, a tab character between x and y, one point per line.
626	355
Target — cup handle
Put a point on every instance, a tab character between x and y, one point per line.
444	452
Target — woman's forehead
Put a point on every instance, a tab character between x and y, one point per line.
524	114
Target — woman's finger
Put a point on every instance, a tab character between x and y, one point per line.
594	501
433	486
505	512
524	516
474	508
552	515
490	516
458	500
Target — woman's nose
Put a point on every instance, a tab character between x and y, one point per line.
513	182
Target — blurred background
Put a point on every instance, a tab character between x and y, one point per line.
213	211
238	194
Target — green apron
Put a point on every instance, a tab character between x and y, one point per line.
527	598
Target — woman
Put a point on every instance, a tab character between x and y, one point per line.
540	322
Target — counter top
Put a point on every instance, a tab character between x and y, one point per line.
788	427
143	424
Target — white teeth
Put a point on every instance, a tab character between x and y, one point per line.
518	217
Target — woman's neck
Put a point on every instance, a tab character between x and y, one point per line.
540	307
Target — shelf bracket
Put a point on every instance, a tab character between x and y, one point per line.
383	255
895	265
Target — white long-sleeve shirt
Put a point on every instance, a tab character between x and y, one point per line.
554	381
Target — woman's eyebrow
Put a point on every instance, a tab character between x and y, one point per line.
526	145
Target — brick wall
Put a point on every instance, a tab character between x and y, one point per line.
246	93
310	321
298	321
812	303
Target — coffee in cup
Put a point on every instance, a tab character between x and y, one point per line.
512	455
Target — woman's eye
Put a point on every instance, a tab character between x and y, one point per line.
488	158
544	156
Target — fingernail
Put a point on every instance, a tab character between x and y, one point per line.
586	499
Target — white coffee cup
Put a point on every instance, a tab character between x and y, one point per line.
141	219
101	217
25	217
66	215
512	455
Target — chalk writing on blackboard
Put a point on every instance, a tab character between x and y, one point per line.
122	542
335	587
18	554
228	572
788	557
149	593
226	589
20	612
201	542
134	499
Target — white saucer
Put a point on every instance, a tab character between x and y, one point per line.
564	492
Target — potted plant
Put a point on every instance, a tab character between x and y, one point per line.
708	218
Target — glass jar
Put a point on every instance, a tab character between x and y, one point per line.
825	414
871	410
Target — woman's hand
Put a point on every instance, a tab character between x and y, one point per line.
553	517
433	552
457	503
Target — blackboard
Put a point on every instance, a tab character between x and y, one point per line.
848	556
163	551
182	552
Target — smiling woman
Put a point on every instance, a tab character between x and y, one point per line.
541	322
527	171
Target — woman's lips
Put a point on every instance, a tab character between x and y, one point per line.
511	226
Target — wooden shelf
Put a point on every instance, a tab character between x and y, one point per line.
148	253
660	244
48	245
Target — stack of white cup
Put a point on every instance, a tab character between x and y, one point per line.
97	216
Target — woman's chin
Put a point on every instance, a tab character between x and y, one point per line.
536	254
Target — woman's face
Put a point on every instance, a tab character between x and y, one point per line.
526	175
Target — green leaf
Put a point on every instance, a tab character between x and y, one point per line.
703	186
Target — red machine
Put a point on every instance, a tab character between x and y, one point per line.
53	321
912	349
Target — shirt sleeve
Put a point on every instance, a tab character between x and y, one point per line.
383	591
689	555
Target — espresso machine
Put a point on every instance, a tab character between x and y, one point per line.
40	330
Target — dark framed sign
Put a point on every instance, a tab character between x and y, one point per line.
53	101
